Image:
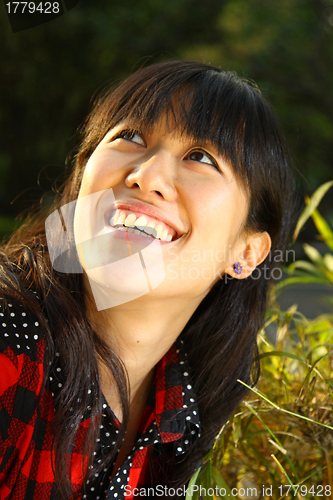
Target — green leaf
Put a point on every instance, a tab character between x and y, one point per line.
193	480
311	206
283	409
306	266
283	354
236	430
305	382
284	472
276	440
313	254
205	481
324	229
318	326
301	279
328	261
220	482
312	475
209	455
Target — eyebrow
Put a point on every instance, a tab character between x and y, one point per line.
212	149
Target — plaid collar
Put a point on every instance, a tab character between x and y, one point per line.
168	428
170	419
171	403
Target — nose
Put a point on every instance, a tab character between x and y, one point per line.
155	176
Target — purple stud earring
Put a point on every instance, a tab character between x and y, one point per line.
237	267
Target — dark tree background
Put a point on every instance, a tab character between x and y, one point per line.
49	73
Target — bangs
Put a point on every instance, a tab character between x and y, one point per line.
204	103
209	106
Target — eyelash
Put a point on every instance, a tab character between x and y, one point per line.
132	132
202	151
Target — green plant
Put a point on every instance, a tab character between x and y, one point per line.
279	442
320	268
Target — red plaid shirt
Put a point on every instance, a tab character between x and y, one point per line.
169	425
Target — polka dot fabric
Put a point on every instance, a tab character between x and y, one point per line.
169	425
25	414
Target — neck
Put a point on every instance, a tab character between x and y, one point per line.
140	332
141	336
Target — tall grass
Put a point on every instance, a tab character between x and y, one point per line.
279	442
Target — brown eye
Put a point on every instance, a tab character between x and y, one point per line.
132	136
202	157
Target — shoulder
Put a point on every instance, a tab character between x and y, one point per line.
23	405
20	332
22	351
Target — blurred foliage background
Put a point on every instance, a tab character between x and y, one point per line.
279	442
49	73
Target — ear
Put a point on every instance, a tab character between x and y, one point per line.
255	250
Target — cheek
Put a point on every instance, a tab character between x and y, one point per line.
220	211
98	174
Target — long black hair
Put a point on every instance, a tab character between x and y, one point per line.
207	104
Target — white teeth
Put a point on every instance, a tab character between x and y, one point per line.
113	220
121	218
164	235
141	222
130	219
149	228
159	231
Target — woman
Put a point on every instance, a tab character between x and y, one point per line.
129	320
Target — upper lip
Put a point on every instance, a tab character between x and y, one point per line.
149	210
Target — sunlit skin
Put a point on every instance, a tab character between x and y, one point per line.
197	191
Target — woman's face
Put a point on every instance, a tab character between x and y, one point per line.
162	182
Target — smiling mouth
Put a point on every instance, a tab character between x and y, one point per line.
138	223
